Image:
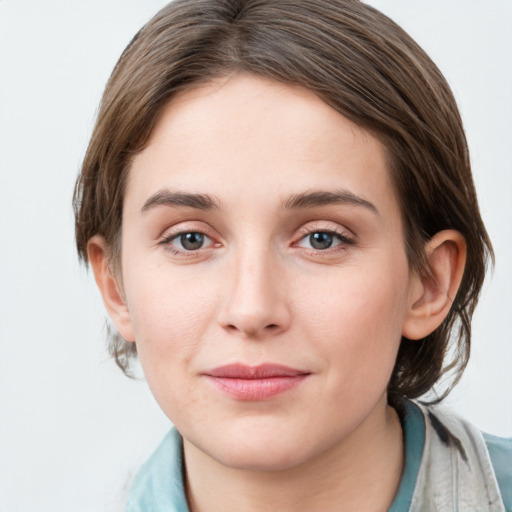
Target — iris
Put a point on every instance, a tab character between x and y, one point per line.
192	241
321	240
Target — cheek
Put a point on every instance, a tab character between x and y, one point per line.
357	322
164	302
170	318
169	314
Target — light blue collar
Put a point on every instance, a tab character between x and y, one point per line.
158	487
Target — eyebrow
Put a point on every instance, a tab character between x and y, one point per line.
169	198
303	200
314	199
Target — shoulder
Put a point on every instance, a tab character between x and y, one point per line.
450	464
486	455
500	452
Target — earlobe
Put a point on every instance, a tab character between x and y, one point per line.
432	295
110	289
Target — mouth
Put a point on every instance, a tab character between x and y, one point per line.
253	383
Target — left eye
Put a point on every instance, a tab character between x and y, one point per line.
322	240
190	241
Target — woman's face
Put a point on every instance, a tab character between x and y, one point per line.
264	272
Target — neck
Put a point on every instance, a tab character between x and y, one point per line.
361	473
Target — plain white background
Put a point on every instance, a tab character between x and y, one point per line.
73	429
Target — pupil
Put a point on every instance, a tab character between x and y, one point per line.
192	241
320	240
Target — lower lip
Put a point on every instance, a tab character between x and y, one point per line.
256	389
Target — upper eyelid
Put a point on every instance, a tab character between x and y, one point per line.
173	236
326	226
191	226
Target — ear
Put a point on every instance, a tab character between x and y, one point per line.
432	295
110	287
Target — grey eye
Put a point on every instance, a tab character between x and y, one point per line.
191	241
321	240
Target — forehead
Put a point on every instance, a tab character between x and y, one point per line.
236	135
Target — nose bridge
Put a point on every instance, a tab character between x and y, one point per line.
255	304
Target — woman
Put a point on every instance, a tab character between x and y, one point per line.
278	208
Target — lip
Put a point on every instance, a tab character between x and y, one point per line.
253	383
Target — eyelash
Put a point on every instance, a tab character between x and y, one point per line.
305	232
167	241
342	238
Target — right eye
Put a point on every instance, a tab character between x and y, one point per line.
188	241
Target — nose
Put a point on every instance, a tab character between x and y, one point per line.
255	305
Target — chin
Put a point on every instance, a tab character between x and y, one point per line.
260	458
258	449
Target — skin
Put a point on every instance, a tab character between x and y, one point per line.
258	290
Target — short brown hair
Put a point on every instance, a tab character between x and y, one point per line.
356	60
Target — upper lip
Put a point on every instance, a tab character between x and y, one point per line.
261	371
